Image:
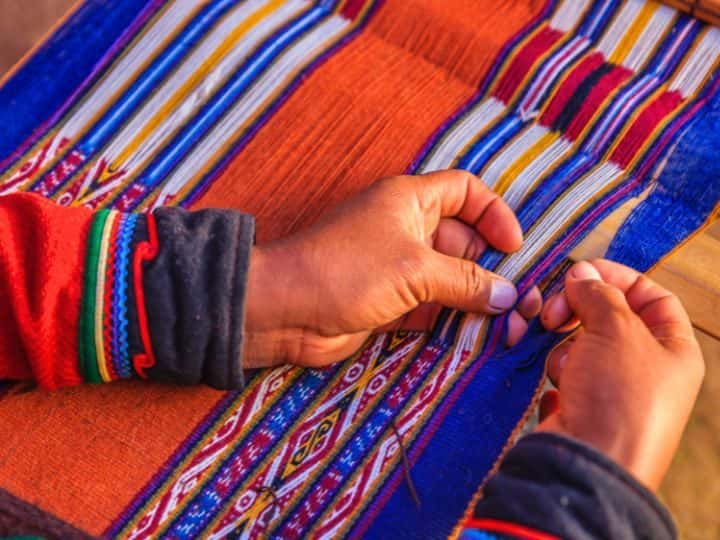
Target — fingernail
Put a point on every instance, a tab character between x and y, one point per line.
502	295
584	270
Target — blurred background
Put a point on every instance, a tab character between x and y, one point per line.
691	489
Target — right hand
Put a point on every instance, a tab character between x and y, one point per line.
630	376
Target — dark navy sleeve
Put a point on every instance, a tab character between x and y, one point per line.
194	294
550	486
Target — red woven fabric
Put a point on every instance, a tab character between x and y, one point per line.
42	251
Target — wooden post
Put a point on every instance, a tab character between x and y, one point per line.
705	10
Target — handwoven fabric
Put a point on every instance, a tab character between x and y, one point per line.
281	108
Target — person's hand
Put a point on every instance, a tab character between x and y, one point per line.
629	377
386	259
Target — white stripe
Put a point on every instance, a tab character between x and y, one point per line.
535	171
698	65
458	137
568	14
615	32
205	89
511	153
277	76
538	239
128	67
660	22
577	45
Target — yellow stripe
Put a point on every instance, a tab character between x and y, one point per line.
650	141
204	70
525	159
261	108
632	34
100	296
108	101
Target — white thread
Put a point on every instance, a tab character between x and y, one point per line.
276	76
537	240
128	67
534	173
661	21
568	14
511	153
205	89
618	28
698	65
445	154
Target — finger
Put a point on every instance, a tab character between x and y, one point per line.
420	319
530	304
462	284
517	327
660	310
556	361
556	314
601	307
460	194
457	239
549	404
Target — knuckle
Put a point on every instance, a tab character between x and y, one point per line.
476	280
414	276
463	175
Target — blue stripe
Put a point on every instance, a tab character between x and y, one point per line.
470	438
358	447
145	83
179	147
43	85
486	146
121	341
595	25
197	513
684	197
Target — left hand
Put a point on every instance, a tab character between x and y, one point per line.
386	259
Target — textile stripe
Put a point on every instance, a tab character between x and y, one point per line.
564	129
150	43
188	69
104	354
169	110
595	185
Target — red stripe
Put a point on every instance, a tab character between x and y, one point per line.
569	86
524	60
504	527
107	301
597	96
549	73
643	126
145	251
352	8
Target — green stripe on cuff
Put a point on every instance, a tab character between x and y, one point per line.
87	350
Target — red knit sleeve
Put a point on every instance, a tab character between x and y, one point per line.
42	262
73	285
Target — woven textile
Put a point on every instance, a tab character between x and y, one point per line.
280	108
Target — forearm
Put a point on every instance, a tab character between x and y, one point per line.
552	487
96	297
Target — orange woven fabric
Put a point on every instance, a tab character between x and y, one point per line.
364	113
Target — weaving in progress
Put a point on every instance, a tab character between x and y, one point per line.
281	108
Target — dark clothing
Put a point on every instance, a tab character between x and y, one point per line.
559	486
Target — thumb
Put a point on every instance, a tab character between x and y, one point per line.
601	307
464	285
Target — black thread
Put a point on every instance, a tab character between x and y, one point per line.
406	466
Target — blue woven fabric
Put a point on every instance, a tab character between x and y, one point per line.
684	197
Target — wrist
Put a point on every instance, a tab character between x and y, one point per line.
622	448
270	326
